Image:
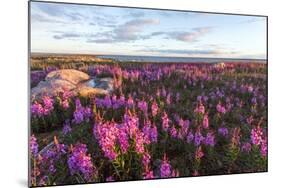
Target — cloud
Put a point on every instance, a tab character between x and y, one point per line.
184	36
40	17
127	32
136	14
56	13
198	52
253	56
103	24
102	20
254	19
75	16
99	40
67	35
50	9
131	31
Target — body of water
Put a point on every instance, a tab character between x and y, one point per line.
177	59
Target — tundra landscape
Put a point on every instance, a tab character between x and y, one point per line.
144	120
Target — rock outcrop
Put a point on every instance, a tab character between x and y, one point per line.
77	82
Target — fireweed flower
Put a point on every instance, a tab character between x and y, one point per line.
195	173
246	147
153	134
66	95
180	134
78	113
165	168
130	102
81	113
175	173
37	109
165	121
256	135
173	132
80	162
118	102
87	113
250	88
36	77
223	131
180	121
200	109
33	145
146	131
184	126
65	104
139	142
122	99
205	98
110	178
209	139
142	105
132	122
148	174
154	109
98	102
114	101
146	159
78	116
250	120
189	137
43	181
220	94
199	153
123	138
220	108
206	121
177	96
106	134
107	102
50	154
66	127
158	94
198	138
52	168
264	147
48	104
59	148
254	101
48	158
64	98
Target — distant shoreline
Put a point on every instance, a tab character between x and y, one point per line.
156	59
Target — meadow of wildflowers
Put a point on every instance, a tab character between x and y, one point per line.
161	121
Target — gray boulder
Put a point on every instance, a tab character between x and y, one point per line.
77	82
71	75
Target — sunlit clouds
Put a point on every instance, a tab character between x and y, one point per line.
68	28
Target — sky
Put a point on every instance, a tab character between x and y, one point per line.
103	30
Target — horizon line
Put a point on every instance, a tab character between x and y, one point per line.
93	54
